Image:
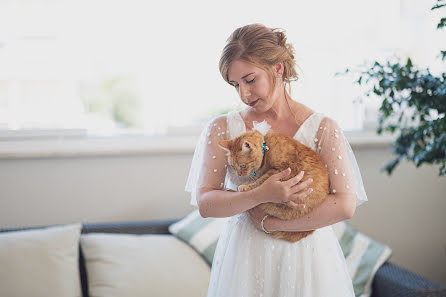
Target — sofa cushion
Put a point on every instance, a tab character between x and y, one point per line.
363	255
40	262
142	265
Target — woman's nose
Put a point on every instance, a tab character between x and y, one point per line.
244	91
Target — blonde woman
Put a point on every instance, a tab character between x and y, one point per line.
259	64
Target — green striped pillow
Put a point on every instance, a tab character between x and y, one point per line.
363	255
200	233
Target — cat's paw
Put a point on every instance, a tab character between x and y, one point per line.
243	188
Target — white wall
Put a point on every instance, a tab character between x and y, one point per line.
406	211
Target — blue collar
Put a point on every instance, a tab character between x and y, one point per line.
264	147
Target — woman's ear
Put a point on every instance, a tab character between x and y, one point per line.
279	68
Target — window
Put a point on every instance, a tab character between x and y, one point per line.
130	66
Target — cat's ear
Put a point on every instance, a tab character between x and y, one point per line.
226	145
246	147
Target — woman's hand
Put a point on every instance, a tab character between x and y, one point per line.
289	192
256	215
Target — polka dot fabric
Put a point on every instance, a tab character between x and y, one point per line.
209	163
335	151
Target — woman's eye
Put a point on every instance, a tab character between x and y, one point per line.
248	82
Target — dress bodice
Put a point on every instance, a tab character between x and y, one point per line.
209	168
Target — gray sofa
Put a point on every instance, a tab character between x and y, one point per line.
390	281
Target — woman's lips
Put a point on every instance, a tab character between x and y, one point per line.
253	103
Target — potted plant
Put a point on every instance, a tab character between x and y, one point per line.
413	106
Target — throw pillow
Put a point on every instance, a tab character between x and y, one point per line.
363	255
200	233
142	265
40	262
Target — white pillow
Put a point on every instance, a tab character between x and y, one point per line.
200	233
40	262
142	265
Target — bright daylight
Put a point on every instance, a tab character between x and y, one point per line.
105	66
223	149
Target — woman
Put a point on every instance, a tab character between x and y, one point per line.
259	63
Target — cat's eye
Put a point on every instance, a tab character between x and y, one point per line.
243	166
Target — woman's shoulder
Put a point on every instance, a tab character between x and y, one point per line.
225	123
220	120
325	125
316	120
328	122
319	118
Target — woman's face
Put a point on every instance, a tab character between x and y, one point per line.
253	85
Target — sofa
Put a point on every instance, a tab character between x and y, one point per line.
390	280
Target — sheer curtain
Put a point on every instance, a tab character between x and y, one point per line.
58	57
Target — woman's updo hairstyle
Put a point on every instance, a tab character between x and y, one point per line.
261	46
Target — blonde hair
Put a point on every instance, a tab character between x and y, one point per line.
261	46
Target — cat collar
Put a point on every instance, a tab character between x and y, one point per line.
264	148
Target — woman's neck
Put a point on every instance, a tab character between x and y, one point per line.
283	112
282	109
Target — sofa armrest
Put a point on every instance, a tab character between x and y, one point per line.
131	227
393	281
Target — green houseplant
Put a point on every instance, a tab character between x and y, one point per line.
413	105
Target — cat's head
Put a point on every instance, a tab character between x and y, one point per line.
244	152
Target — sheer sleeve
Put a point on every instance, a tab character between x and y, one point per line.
209	163
335	151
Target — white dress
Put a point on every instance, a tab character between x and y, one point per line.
248	262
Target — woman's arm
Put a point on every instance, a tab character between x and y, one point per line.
220	204
335	208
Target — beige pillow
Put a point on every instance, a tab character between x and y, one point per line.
143	265
41	262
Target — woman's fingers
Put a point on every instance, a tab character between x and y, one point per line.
287	191
301	186
295	205
283	174
302	194
294	180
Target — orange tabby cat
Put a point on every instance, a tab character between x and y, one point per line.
279	152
